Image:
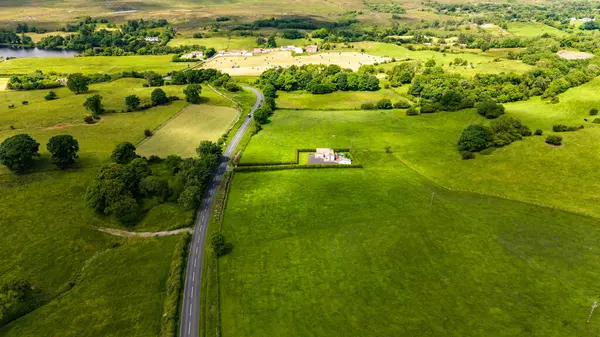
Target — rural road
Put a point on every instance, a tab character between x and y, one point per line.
191	292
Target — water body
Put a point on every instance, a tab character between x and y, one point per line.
34	52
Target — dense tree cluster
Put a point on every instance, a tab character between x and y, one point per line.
501	132
199	76
318	79
120	188
12	38
33	81
13	293
17	152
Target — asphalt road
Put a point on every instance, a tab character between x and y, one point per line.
192	292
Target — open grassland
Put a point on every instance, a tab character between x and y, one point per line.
236	42
365	253
182	134
121	293
256	65
561	177
490	62
96	64
37	37
46	229
533	29
339	100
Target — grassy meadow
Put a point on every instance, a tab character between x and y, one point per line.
533	29
339	100
119	284
194	124
89	65
364	253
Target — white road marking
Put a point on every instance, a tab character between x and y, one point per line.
190	310
193	276
189	327
192	293
194	263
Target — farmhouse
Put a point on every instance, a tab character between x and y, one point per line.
329	157
152	39
312	49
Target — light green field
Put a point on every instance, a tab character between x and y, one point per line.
97	64
182	134
3	83
217	42
338	100
532	29
38	37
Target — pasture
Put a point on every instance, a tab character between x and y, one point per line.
182	134
97	64
339	100
365	253
256	65
67	249
3	83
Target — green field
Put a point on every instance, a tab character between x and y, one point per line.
194	124
362	253
121	290
339	100
88	65
531	29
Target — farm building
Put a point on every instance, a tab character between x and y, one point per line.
328	156
312	49
152	39
193	55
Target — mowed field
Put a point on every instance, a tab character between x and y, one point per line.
533	29
339	100
256	65
47	232
182	134
97	64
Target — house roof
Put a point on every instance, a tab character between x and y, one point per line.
325	151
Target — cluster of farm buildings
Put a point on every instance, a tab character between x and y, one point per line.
255	51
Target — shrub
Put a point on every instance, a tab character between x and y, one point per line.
565	128
554	140
94	104
384	104
401	105
25	102
147	133
428	108
596	121
468	155
159	97
154	159
88	119
12	106
132	101
412	111
554	100
232	87
217	242
123	153
388	149
539	132
594	112
368	106
475	138
490	109
50	96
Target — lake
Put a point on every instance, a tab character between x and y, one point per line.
34	52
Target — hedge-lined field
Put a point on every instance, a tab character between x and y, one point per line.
362	253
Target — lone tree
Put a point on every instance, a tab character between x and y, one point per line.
64	150
17	152
207	148
192	93
490	109
159	97
94	104
261	115
132	101
475	138
123	153
78	83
